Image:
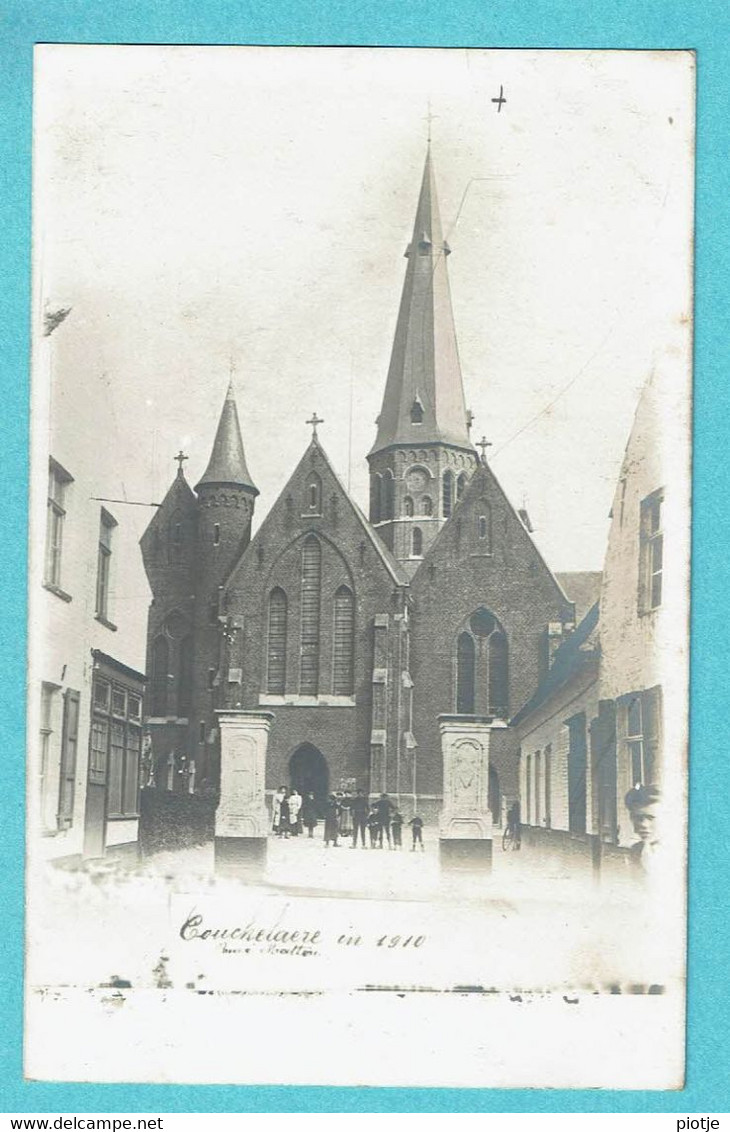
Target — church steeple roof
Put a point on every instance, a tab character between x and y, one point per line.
424	395
227	464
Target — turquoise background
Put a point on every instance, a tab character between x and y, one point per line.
519	23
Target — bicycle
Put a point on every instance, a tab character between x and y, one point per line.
510	839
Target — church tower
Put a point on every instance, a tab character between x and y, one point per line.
422	457
226	497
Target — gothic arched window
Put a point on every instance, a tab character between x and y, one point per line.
388	496
343	665
448	494
376	496
159	676
310	614
482	683
498	681
417	542
465	674
460	485
484	528
276	648
185	677
314	494
427	505
408	507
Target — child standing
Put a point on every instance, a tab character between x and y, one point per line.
416	825
396	826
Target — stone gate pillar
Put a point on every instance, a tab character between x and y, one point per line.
465	830
242	820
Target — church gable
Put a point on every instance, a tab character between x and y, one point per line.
168	543
486	539
307	590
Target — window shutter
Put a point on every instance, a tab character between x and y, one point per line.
69	745
343	667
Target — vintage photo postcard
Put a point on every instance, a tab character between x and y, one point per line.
359	566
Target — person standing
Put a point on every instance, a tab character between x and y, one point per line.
295	805
331	821
276	810
396	826
345	814
373	827
284	822
309	813
359	810
416	825
384	809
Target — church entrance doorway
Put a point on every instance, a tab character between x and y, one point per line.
309	773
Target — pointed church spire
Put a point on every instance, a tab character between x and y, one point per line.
424	395
227	464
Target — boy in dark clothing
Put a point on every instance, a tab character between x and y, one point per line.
384	808
374	828
416	825
396	825
359	809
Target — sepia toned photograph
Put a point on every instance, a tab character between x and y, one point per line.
359	566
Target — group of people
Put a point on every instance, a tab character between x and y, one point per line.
345	816
292	814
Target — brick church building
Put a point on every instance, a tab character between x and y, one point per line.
355	633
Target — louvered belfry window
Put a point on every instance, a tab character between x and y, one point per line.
311	585
343	665
276	667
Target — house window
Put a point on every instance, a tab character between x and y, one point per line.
69	747
159	676
460	486
58	481
427	505
417	542
465	671
276	658
408	507
651	552
310	617
447	494
115	744
107	523
547	759
577	760
643	713
344	643
538	771
48	702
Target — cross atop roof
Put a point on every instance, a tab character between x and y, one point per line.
180	457
314	420
484	444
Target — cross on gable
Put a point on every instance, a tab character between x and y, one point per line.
180	457
484	444
314	420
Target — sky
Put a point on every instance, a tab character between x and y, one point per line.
208	212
